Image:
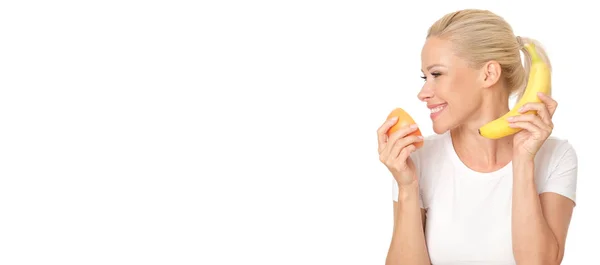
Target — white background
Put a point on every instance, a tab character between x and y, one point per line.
222	132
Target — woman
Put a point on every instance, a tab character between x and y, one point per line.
465	199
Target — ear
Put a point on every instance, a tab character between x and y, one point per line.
491	72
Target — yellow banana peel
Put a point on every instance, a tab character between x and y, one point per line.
539	81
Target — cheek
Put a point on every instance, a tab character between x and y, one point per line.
461	95
463	90
450	90
461	85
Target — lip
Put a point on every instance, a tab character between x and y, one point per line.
432	106
433	116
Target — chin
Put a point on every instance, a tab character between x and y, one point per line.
442	125
439	128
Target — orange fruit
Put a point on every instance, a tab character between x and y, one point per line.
404	119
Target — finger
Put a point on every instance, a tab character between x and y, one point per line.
551	104
531	118
526	126
382	131
405	153
402	132
536	131
541	110
401	144
393	148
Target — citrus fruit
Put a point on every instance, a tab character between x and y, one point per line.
404	119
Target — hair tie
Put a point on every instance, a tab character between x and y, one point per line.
520	41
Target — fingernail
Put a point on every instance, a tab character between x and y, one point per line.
420	137
522	109
413	126
393	118
510	118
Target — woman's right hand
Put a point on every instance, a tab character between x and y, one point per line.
395	150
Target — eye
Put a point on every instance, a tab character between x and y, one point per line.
434	74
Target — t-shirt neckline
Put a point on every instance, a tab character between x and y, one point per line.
464	168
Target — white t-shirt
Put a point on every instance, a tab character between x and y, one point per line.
469	213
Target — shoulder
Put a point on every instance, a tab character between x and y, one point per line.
433	152
554	143
432	144
555	152
556	168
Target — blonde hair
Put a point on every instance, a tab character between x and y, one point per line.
480	36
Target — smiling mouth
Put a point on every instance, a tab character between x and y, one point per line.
438	109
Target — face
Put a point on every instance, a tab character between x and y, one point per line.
451	88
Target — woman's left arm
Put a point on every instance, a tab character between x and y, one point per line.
539	221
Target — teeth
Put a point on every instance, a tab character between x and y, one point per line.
437	109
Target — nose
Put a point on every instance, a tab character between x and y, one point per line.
426	93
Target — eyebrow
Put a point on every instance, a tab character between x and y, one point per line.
433	65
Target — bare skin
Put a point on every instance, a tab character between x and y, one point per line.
472	97
408	242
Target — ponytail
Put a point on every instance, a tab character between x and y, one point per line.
541	53
480	36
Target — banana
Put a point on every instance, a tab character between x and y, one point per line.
539	81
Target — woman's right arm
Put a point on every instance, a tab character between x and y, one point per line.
408	240
408	244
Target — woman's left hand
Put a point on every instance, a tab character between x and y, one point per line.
536	128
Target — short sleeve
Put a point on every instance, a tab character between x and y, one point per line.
395	189
563	179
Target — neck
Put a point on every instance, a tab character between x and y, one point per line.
476	151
